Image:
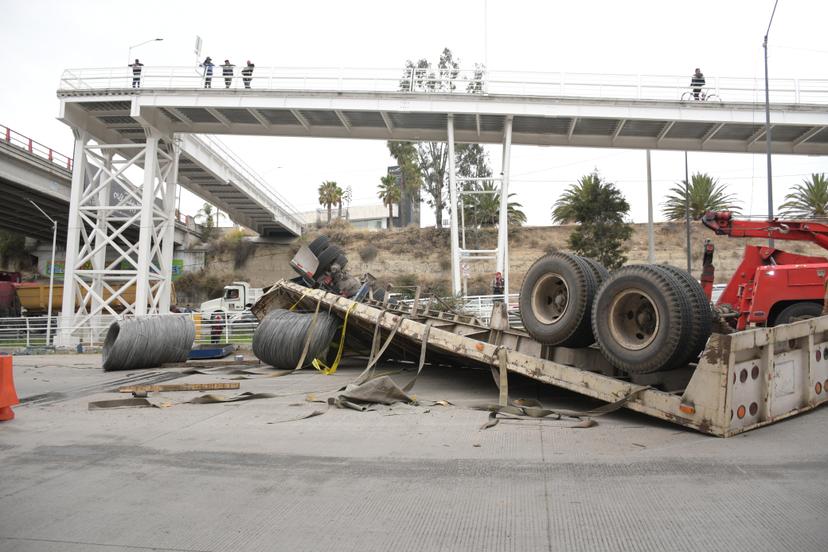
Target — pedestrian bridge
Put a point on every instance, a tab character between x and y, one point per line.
554	109
160	125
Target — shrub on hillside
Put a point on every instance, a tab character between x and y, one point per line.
368	253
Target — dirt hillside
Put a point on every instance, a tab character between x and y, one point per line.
420	255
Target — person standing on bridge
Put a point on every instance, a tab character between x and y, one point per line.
247	73
136	73
208	72
227	71
696	82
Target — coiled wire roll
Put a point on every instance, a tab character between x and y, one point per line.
147	342
280	338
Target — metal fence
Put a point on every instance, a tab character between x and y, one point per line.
31	331
460	81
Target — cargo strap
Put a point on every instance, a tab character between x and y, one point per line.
296	304
311	328
319	364
527	409
372	361
423	348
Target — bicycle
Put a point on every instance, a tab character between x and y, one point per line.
689	96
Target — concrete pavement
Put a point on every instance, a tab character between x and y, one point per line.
247	476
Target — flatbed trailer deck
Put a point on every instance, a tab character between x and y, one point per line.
743	380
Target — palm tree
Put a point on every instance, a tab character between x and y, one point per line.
706	194
208	216
329	195
484	209
599	209
807	200
389	193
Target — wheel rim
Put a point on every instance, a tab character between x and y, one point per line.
550	298
633	319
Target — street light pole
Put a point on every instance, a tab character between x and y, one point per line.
129	55
687	212
768	138
51	274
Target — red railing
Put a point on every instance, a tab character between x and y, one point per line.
35	148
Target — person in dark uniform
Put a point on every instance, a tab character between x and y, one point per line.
136	73
696	82
498	285
208	72
227	71
247	73
217	327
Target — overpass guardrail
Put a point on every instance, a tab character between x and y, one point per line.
454	81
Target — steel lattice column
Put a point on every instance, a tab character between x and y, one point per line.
120	236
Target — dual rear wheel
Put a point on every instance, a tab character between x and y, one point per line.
645	318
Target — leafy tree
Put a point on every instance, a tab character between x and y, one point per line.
330	194
706	194
389	193
807	200
599	209
430	164
13	249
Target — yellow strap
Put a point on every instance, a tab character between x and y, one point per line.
319	364
299	300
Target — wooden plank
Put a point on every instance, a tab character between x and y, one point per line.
178	387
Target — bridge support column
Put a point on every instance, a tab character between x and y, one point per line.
503	222
453	210
170	185
73	231
120	236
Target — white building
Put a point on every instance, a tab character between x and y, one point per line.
374	217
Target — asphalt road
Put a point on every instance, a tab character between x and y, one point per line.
250	476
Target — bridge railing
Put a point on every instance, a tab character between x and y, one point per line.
14	138
460	81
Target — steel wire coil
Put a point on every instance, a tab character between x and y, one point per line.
280	338
147	342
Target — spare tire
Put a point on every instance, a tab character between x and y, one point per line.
326	259
556	300
701	322
641	320
599	271
319	245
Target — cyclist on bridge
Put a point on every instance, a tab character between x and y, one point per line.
227	71
136	73
696	82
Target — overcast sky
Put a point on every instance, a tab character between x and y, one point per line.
38	39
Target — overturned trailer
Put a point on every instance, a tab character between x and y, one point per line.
742	381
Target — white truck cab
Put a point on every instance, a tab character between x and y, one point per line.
237	297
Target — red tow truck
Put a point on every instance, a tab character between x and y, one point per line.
770	286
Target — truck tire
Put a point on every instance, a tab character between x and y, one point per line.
796	312
556	300
326	259
319	245
599	271
641	319
342	261
701	323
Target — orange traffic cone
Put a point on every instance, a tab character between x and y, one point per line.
8	396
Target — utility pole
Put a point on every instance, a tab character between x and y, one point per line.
51	275
687	212
768	138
